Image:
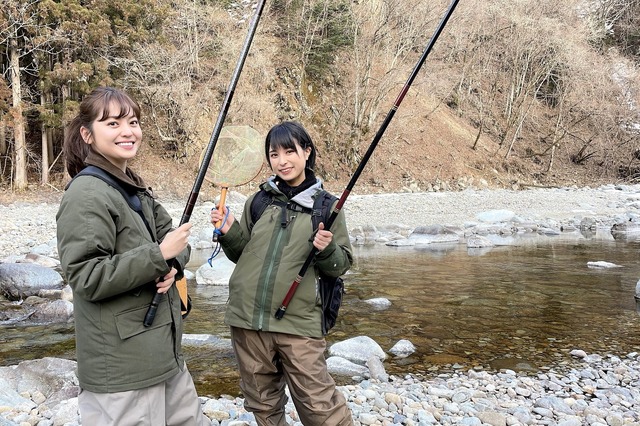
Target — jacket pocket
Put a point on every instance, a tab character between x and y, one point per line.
129	322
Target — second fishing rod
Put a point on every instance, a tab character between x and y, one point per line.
206	159
285	303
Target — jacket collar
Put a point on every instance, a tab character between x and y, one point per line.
304	198
129	178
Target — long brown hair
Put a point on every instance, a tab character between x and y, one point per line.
95	106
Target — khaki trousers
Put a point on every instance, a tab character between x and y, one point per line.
171	403
269	361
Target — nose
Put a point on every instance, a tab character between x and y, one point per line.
126	130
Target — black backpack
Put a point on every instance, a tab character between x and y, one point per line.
331	289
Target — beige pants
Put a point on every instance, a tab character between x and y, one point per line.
171	403
268	361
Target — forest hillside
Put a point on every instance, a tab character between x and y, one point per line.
514	93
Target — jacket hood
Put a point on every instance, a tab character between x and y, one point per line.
305	198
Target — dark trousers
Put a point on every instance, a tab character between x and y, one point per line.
269	361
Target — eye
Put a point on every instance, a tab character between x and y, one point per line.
134	122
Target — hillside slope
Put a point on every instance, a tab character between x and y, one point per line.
429	145
433	155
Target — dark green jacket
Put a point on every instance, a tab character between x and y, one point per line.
268	259
111	261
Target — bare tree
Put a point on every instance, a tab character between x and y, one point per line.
5	98
603	16
388	35
508	62
17	20
164	75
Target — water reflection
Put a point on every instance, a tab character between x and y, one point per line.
532	303
521	307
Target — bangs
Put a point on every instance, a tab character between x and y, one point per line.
281	137
118	99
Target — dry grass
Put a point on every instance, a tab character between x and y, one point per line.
426	144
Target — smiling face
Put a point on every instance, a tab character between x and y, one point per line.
288	163
117	136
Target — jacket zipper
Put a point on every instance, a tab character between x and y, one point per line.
267	276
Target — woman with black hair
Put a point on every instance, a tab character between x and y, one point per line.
274	353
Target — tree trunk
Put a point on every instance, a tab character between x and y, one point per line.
3	138
20	147
44	178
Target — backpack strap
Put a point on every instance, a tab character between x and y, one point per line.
130	196
319	213
259	204
322	208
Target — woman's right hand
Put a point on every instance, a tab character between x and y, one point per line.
175	241
218	215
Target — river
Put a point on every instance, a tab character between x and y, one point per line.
522	306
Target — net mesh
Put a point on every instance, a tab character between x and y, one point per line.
237	157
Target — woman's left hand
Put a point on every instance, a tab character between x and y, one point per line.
167	281
323	238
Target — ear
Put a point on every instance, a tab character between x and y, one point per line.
86	135
307	152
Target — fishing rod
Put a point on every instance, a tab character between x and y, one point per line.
294	286
195	191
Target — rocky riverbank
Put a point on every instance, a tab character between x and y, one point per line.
600	389
25	225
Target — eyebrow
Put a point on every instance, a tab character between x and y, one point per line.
116	117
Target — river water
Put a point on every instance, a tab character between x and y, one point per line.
522	306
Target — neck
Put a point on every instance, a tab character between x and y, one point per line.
292	191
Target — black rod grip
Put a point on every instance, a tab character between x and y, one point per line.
153	308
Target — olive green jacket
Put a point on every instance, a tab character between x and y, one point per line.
268	259
111	262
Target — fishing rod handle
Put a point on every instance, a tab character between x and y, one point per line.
280	312
153	308
312	254
218	224
155	302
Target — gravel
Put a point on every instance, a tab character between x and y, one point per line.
25	225
603	391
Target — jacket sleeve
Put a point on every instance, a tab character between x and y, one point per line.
104	250
235	240
164	224
337	258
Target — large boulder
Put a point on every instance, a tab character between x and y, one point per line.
21	280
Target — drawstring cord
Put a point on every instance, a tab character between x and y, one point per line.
216	232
